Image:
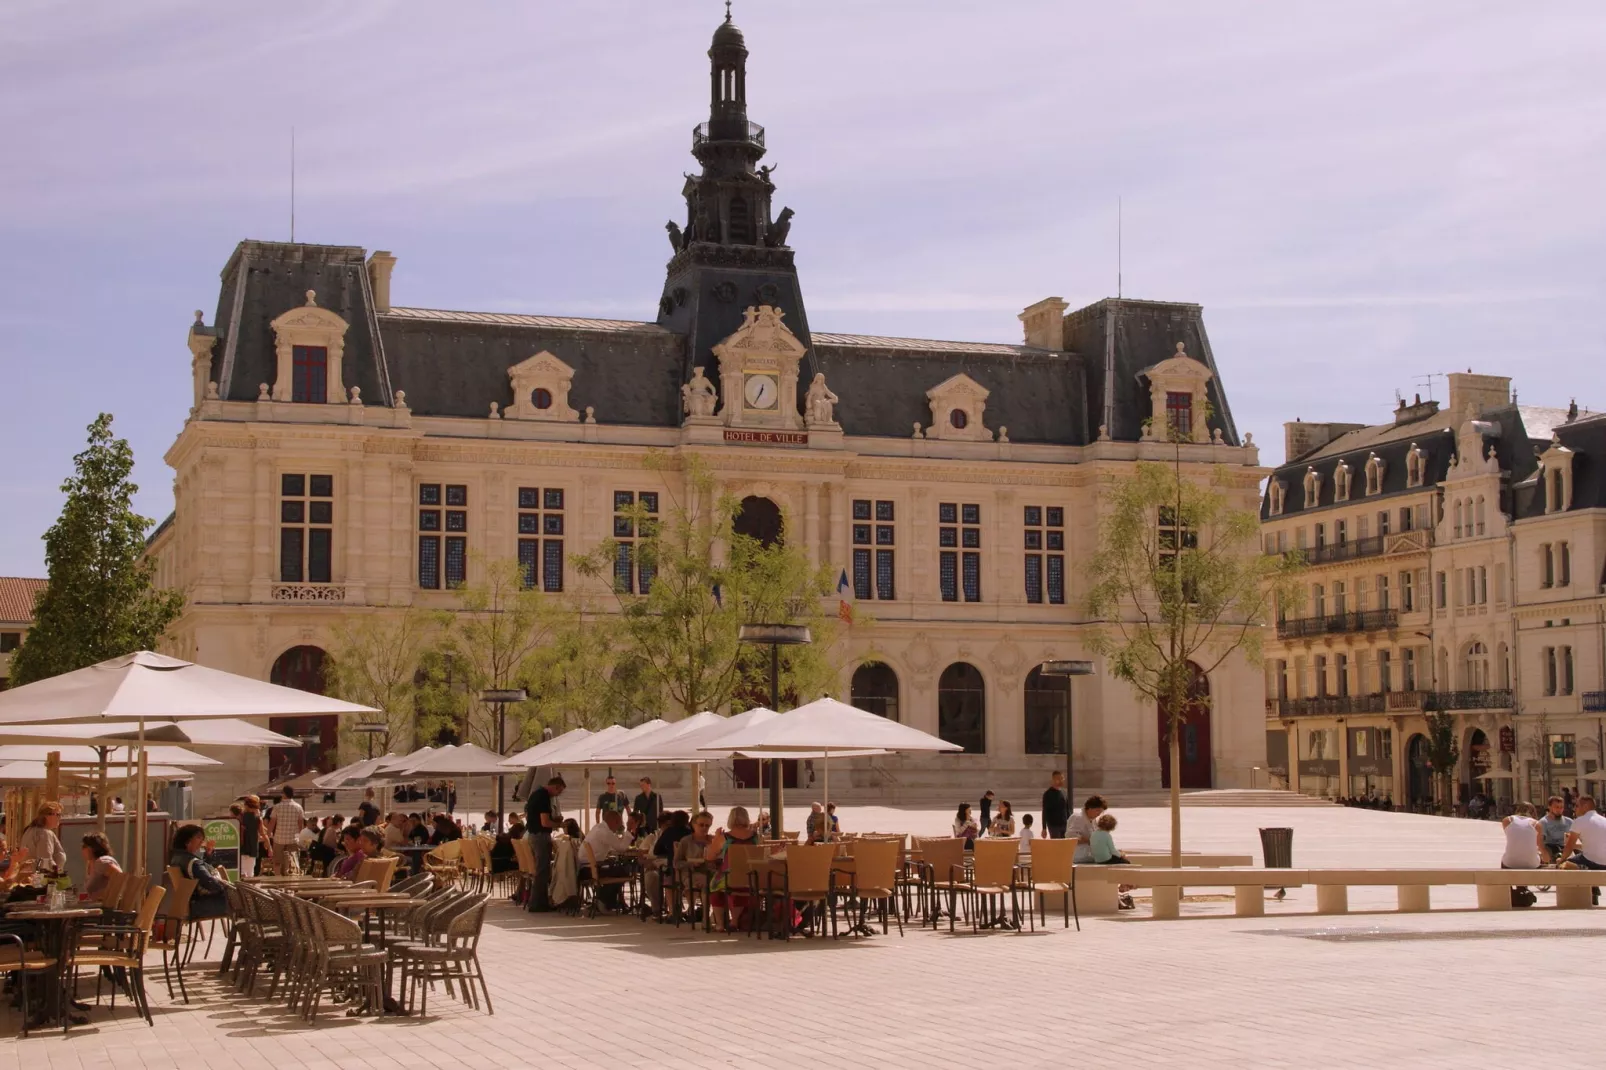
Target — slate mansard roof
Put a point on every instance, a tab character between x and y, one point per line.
455	363
1586	437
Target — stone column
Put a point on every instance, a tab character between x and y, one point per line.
262	525
811	521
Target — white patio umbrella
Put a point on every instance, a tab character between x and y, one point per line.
398	763
536	756
81	755
146	686
351	775
32	772
465	760
224	732
583	755
647	747
825	726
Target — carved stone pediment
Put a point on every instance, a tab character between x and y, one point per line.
541	390
958	405
758	365
309	325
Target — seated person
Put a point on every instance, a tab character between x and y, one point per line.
673	827
739	832
417	831
353	854
1027	835
605	845
446	830
1003	823
1104	849
814	827
16	867
99	865
490	822
571	829
396	830
189	848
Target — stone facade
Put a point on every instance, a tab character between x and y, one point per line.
957	485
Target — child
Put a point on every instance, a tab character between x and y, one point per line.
1026	835
1104	850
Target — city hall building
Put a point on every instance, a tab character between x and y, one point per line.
350	452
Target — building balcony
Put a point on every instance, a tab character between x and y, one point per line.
1369	620
726	130
1595	701
1438	701
1403	542
1326	705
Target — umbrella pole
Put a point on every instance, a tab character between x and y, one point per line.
105	803
585	800
140	830
825	813
128	778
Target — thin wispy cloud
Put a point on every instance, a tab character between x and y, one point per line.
1356	194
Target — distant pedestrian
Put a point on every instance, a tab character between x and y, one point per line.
986	819
1056	808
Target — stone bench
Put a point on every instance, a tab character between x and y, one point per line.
1096	884
1101	897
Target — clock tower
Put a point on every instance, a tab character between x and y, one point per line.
731	287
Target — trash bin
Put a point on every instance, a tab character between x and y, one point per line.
1278	847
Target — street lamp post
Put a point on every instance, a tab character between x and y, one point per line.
370	729
775	636
500	697
1067	669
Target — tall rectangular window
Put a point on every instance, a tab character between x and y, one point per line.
1441	590
959	553
306	528
1566	670
1551	673
1407	591
442	559
1383	592
1385	670
875	540
1383	522
309	372
1564	564
1179	414
1408	669
540	523
634	515
1045	553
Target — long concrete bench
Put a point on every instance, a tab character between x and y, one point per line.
1163	860
1102	898
1096	885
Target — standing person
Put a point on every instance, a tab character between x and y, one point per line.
283	827
648	804
368	810
41	841
612	799
986	821
541	820
1524	841
250	835
1056	809
1081	825
1555	825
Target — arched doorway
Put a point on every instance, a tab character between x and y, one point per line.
1480	760
301	667
962	707
1418	773
875	688
1194	739
1048	704
760	519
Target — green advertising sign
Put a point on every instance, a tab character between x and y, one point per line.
223	833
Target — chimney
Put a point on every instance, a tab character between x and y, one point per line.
1045	323
380	265
1416	410
1483	392
1300	438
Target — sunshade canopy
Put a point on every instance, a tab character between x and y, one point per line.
353	775
34	773
225	732
587	751
638	746
465	760
116	756
827	726
150	686
531	757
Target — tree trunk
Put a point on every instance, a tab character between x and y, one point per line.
1176	795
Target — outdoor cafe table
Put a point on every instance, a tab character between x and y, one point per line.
414	853
58	934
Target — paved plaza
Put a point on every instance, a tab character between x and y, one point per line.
1370	989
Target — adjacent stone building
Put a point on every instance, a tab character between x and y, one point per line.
347	453
1427	538
18	595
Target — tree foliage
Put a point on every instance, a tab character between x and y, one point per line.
1443	754
100	601
375	659
1178	581
705	583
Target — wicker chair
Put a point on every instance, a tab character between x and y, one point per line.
120	947
342	963
175	922
455	958
941	865
22	961
809	878
875	878
993	876
1053	872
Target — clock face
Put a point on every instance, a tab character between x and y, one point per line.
761	391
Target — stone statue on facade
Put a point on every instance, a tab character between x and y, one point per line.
818	405
677	241
698	397
778	230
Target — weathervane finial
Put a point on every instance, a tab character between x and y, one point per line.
727	10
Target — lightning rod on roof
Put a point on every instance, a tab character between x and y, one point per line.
1118	248
292	185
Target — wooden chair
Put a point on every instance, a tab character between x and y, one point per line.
175	920
24	962
596	881
378	870
111	895
992	877
125	951
875	878
1053	872
942	864
746	862
808	878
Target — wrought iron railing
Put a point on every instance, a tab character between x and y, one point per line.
1327	705
703	133
1595	701
1498	699
1368	620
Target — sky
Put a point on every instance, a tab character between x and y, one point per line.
1360	195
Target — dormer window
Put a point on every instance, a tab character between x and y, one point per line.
1274	495
1374	474
309	344
1179	415
1313	488
309	373
1557	472
1415	466
1178	399
1341	476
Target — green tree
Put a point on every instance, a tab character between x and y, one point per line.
376	659
579	680
100	601
1443	754
705	582
1181	585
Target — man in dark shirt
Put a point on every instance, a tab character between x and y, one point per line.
986	808
611	799
541	821
1056	808
648	804
367	811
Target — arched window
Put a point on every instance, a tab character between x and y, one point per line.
1275	497
1341	476
1048	704
1480	515
1458	518
301	667
962	707
1313	488
875	688
1414	466
1374	474
760	519
1475	667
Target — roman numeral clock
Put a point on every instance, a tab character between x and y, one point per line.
758	367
